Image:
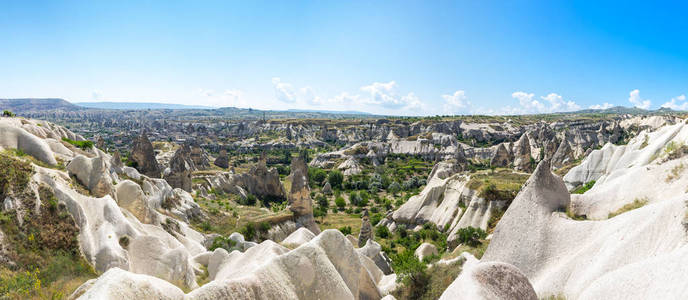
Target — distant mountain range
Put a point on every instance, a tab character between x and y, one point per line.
27	105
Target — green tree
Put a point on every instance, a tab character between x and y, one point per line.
339	201
335	178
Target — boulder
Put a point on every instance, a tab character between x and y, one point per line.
222	159
350	167
143	156
327	188
130	196
425	250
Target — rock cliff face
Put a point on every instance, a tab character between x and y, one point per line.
143	155
300	202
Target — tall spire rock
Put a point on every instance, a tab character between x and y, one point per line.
300	202
143	156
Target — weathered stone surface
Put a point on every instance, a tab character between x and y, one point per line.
366	229
300	202
222	159
327	189
200	158
501	157
425	250
522	155
178	175
489	280
143	156
93	173
100	143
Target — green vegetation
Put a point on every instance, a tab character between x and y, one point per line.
44	248
7	113
637	203
411	273
471	236
584	188
502	184
335	178
83	145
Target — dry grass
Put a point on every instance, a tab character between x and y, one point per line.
637	203
675	172
339	220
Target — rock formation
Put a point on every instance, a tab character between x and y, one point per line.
522	155
300	202
489	280
501	157
199	157
100	143
425	250
178	175
366	229
92	173
327	188
222	159
143	156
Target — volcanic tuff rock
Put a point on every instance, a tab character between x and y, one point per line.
501	157
200	158
143	155
178	175
489	280
93	173
300	202
522	155
366	229
222	159
425	250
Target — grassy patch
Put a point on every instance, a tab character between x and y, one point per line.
584	188
83	145
637	203
502	184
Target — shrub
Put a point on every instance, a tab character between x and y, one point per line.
7	113
322	201
382	232
394	188
248	231
84	145
411	273
471	236
249	200
317	175
346	230
340	202
335	178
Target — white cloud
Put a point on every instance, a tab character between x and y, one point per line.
602	106
386	95
528	104
231	97
677	103
456	103
558	104
634	97
283	91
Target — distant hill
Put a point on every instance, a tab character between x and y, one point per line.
622	110
138	105
36	104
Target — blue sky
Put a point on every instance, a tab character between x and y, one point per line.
396	57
